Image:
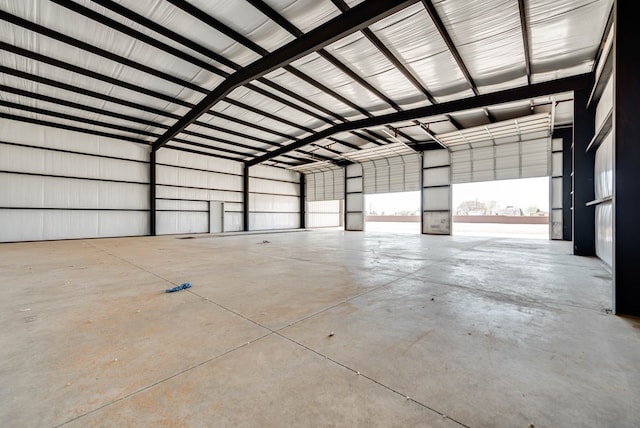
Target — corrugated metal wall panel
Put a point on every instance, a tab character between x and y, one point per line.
60	184
43	224
186	182
324	213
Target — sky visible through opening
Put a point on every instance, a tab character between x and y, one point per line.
522	193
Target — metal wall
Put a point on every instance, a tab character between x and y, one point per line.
274	198
324	213
186	183
556	225
59	184
603	180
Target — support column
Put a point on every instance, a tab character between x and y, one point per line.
584	243
567	174
436	192
152	193
354	198
245	197
303	201
626	156
556	189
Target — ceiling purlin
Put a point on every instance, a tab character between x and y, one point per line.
580	81
525	39
377	136
433	13
203	153
81	45
335	29
119	101
292	29
143	21
382	48
160	29
83	91
67	103
74	118
160	45
93	74
239	38
37	28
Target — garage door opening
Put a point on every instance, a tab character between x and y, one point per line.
393	212
506	208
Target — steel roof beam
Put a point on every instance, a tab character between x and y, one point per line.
114	7
359	17
525	39
239	38
32	26
295	31
480	101
433	13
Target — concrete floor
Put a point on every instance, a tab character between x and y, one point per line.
312	328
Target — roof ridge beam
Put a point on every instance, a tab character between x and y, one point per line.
355	19
576	82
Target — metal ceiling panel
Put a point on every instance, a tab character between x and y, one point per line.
324	72
183	23
488	37
363	57
253	25
412	37
312	93
565	35
305	14
67	95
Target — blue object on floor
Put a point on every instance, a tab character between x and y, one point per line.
179	287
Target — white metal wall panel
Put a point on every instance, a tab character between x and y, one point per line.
603	173
171	223
261	185
186	182
274	220
604	232
603	183
35	160
60	184
393	174
605	104
41	224
54	138
32	191
324	213
274	199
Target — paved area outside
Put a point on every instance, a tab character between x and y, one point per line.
312	329
485	230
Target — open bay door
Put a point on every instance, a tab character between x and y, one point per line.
512	149
324	193
390	168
